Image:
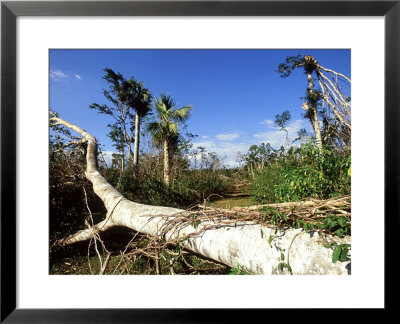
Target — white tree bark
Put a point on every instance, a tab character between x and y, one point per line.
137	139
248	246
167	169
315	123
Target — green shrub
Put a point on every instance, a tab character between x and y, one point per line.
188	188
264	184
304	174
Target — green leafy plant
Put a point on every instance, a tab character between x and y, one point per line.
304	173
238	271
340	251
195	221
283	265
336	225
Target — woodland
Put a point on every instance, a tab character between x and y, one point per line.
177	210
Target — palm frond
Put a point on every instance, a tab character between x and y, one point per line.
160	107
172	129
182	114
156	131
137	96
168	101
165	128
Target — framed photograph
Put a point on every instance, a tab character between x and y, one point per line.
55	54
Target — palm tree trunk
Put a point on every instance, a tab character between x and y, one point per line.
317	128
137	136
167	179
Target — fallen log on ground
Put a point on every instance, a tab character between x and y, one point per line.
237	242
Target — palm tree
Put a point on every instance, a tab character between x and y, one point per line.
140	100
164	130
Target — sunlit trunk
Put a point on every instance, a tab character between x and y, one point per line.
167	170
137	138
316	125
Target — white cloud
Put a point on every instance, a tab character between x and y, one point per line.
276	137
227	137
58	75
227	152
268	122
107	156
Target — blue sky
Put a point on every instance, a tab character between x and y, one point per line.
235	94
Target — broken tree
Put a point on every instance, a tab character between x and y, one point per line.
327	101
241	243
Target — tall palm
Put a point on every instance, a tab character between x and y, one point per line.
140	101
164	130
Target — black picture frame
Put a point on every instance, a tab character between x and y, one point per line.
10	10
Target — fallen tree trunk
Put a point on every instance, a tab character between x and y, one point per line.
246	245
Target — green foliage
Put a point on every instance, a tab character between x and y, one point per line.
189	187
332	224
238	271
284	265
291	62
125	97
282	119
336	225
195	221
263	187
137	96
304	173
340	251
260	156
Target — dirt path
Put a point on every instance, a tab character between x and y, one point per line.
238	196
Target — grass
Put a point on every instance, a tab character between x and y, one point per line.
228	203
238	196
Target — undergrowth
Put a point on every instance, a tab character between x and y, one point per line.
304	173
